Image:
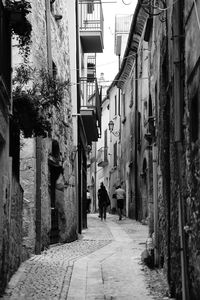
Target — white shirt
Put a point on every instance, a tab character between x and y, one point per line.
120	193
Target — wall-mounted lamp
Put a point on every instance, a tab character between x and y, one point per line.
111	127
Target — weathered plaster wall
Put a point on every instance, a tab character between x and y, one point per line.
192	154
5	182
28	181
61	132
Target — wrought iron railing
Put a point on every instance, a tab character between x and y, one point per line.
91	15
91	67
90	97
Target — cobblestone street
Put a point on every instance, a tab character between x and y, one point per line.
103	264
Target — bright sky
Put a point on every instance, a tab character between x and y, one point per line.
107	62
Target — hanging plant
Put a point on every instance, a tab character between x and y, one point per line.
20	26
35	92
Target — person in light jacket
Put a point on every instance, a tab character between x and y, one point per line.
120	195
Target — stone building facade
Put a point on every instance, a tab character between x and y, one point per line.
162	61
174	92
11	193
47	171
37	190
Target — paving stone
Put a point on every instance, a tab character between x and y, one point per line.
102	264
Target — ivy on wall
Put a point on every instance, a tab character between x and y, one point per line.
35	92
20	27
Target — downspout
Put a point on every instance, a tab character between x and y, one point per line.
38	195
155	203
136	135
95	179
79	156
179	88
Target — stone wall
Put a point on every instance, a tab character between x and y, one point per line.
15	234
61	133
11	246
5	183
178	181
192	154
28	181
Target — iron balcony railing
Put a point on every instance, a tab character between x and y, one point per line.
91	98
91	15
102	156
91	67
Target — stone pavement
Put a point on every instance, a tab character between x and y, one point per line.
103	264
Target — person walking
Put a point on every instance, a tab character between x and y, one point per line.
120	196
88	201
104	201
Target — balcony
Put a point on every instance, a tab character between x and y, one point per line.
90	109
91	26
102	157
91	67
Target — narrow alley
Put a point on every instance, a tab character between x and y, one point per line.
99	110
105	263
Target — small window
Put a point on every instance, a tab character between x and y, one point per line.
54	70
115	154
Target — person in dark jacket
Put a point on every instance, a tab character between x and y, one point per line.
104	201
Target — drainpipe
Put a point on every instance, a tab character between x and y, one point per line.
155	202
179	92
38	195
79	156
136	135
95	179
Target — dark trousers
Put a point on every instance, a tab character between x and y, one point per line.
102	212
120	206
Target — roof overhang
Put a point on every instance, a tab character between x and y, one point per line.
139	20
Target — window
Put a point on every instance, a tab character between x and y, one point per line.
115	154
54	70
115	105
